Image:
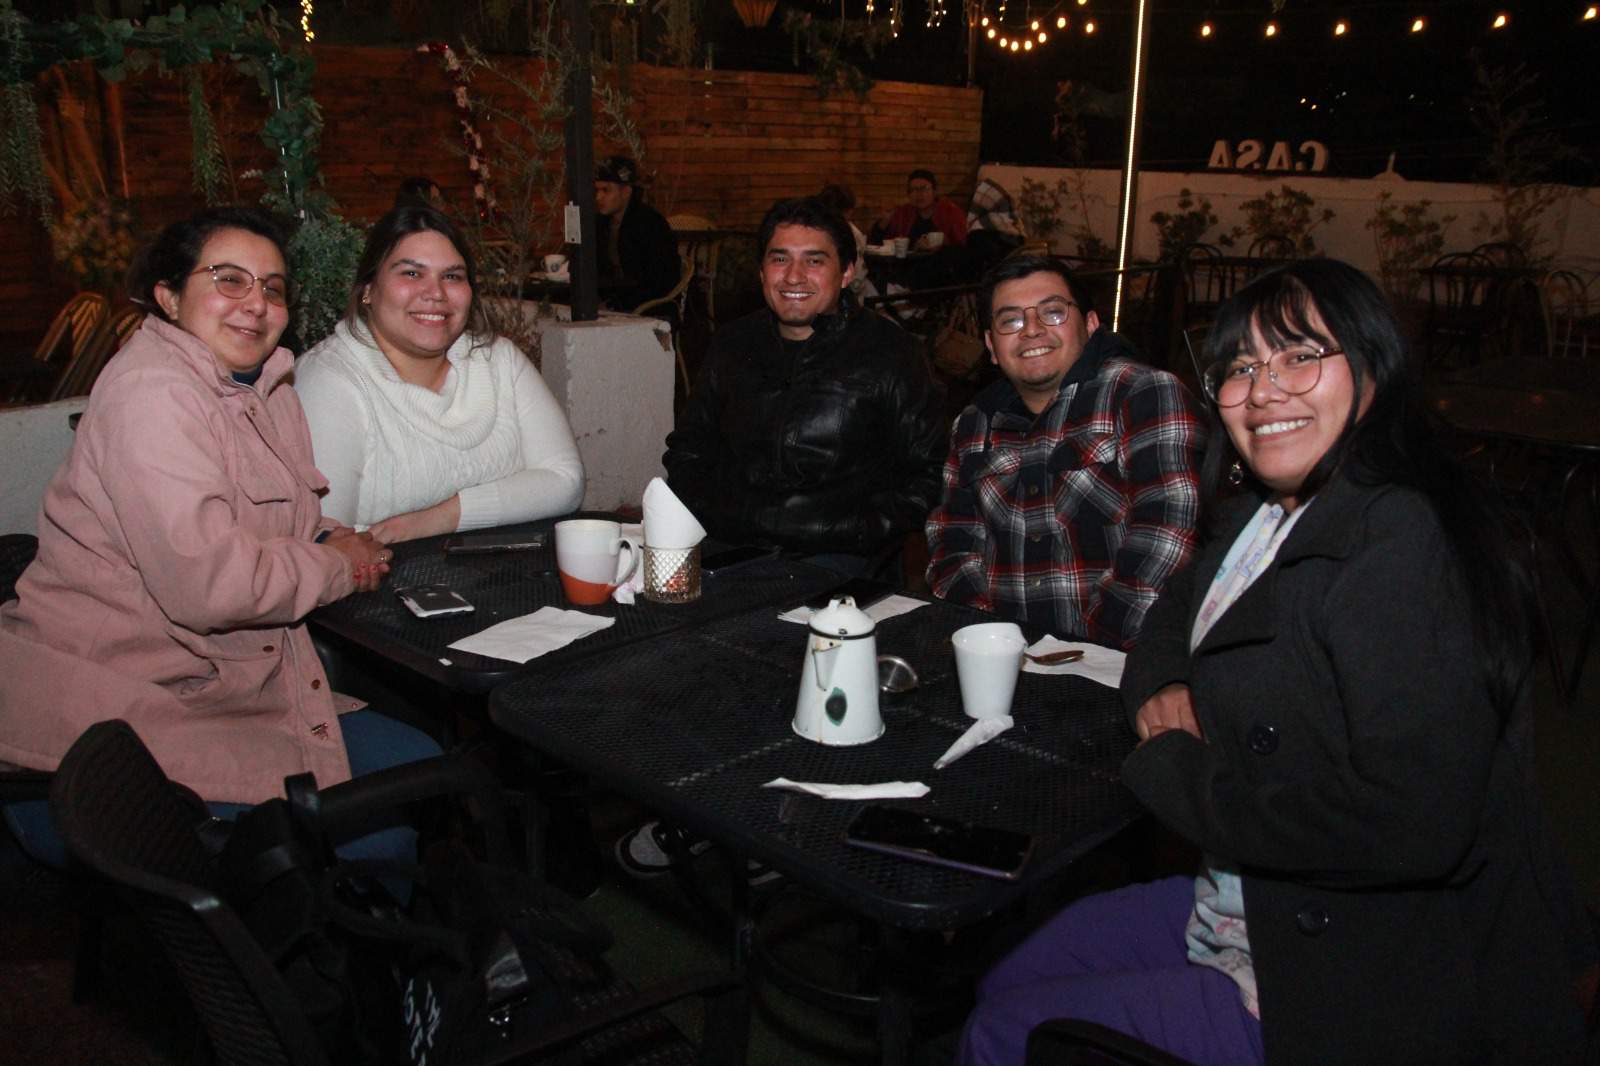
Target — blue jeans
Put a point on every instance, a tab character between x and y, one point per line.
373	743
1118	959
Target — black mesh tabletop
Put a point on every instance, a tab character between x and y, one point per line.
511	584
695	721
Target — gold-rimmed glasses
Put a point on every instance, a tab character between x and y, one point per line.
235	282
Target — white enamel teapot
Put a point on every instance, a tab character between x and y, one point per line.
838	702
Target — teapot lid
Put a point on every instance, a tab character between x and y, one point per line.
842	618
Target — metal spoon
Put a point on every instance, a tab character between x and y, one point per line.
1055	658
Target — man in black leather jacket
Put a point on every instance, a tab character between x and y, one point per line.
815	425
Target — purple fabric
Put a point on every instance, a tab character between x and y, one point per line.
1118	959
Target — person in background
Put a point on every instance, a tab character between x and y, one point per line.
180	547
1332	702
1072	490
924	212
841	199
638	255
424	420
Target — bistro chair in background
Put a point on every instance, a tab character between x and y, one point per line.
675	300
1272	248
1565	297
696	240
80	373
124	820
1069	1042
1207	283
1502	254
1460	309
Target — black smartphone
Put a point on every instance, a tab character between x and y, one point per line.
941	841
474	543
711	562
430	601
863	590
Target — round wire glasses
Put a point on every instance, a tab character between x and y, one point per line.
235	282
1295	370
1052	312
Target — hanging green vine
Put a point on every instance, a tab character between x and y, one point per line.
248	32
22	178
210	168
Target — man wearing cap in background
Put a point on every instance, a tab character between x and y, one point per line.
638	258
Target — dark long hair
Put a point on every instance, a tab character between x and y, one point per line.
401	222
1395	442
175	253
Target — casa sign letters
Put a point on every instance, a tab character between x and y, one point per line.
1252	154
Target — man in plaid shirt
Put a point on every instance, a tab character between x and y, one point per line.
1071	491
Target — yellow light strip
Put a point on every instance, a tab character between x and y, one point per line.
1130	165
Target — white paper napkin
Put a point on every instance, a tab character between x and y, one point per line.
1098	664
980	732
886	790
528	637
667	522
633	533
884	609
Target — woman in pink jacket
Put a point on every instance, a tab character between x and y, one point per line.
181	544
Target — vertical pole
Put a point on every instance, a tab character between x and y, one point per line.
973	10
1130	160
580	163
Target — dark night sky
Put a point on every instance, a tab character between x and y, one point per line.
1379	88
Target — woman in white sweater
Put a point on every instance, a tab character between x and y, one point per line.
423	420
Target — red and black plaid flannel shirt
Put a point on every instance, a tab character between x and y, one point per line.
1073	519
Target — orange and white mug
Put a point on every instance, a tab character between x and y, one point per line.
589	559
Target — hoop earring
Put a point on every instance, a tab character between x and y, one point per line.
1236	474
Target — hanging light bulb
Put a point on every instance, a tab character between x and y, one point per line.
1061	22
1272	29
991	33
1591	12
1014	46
1340	28
1418	25
1205	29
1500	22
1033	26
1042	37
1089	27
985	21
1027	46
1004	43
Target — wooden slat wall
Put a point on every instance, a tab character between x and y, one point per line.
723	144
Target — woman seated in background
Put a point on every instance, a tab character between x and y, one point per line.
181	544
424	421
1332	703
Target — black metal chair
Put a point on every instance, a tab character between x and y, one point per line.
1460	309
124	820
1068	1042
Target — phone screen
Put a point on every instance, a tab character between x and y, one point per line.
493	542
942	841
425	601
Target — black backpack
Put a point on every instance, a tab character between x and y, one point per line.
479	955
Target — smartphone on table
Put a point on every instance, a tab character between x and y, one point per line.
482	543
863	590
431	601
941	841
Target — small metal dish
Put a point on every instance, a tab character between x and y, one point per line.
895	675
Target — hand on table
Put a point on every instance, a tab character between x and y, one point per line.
368	559
1170	708
443	517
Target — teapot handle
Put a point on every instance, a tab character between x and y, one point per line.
820	647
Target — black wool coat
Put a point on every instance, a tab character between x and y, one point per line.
1402	901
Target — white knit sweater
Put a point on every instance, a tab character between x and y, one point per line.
493	433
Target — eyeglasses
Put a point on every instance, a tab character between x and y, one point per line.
1295	370
1051	312
235	282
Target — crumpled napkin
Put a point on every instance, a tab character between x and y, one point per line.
1098	664
885	608
532	635
886	790
633	533
980	732
667	522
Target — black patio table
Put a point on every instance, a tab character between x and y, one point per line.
693	722
508	585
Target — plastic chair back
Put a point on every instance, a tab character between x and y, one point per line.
123	819
109	337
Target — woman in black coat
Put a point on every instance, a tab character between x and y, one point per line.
1332	704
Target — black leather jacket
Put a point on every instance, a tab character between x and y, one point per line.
833	444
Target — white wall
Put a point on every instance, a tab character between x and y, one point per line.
1573	224
33	441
